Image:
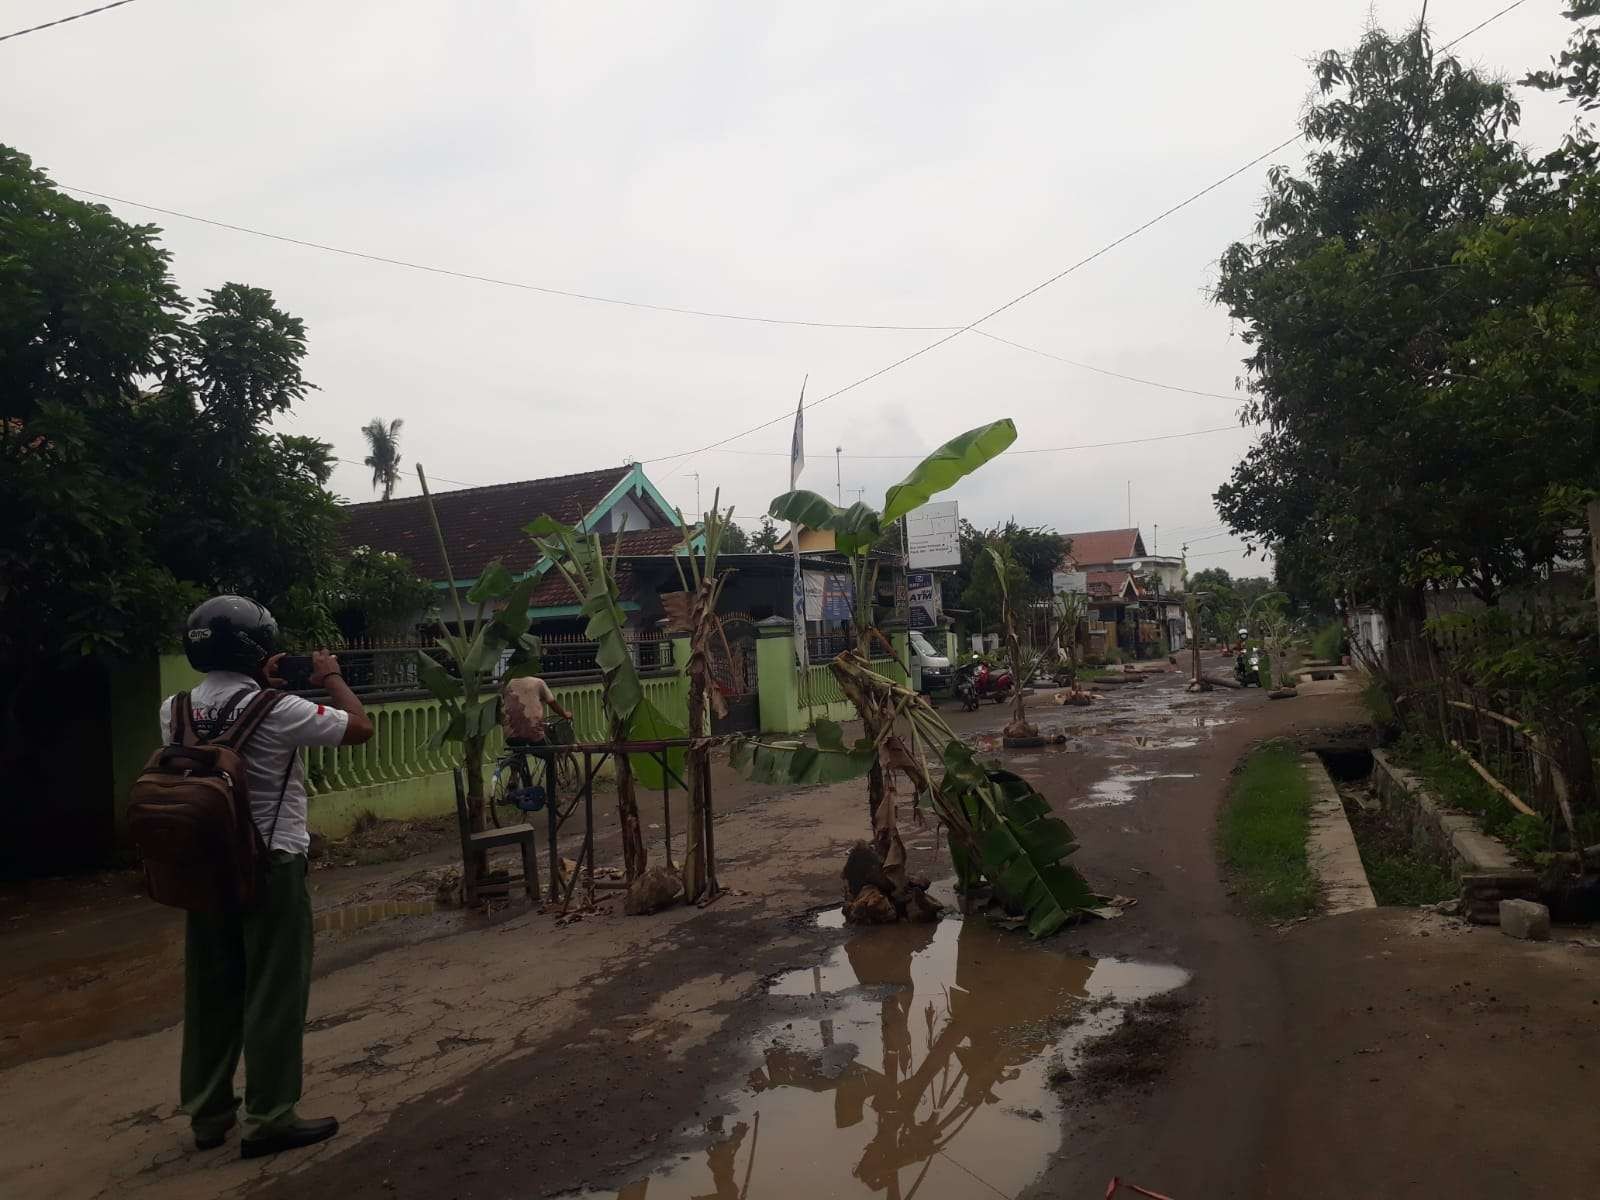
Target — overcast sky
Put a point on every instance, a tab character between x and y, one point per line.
886	163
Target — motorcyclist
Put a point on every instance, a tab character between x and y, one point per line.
1246	669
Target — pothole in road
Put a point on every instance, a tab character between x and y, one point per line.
917	1059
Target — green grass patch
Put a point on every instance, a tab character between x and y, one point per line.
1454	782
1398	875
1326	642
1263	832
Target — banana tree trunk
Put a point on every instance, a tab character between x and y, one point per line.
472	765
694	865
635	858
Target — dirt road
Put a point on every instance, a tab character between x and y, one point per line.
747	1050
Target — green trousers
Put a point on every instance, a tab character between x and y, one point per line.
247	979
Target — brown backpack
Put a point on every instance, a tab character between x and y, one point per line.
189	813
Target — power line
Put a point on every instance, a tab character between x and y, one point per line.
1461	37
1195	541
6	37
1059	275
618	301
994	312
491	279
1159	437
1215	553
1171	387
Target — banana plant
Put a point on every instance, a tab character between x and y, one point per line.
694	611
857	528
591	576
470	699
1000	828
1067	613
1021	670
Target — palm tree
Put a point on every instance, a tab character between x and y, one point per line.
384	442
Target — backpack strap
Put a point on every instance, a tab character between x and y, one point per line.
183	733
283	790
249	720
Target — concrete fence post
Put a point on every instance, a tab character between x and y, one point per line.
777	688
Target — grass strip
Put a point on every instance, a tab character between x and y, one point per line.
1263	833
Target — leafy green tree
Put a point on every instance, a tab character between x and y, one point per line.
1364	473
383	452
136	470
766	536
1032	555
734	540
376	593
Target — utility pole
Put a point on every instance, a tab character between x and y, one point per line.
1130	504
1155	539
838	475
698	511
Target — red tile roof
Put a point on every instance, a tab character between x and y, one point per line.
553	591
479	524
1104	546
1105	584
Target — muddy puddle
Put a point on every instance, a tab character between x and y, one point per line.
1122	788
911	1060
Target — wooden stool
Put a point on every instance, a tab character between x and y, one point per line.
473	844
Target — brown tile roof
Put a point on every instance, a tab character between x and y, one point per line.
1104	584
480	524
1104	546
553	591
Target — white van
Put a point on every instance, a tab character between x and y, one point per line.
930	669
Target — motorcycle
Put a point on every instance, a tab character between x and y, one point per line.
977	682
1247	668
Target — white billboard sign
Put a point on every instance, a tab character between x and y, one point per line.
933	536
1070	581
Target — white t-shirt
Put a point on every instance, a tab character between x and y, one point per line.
293	722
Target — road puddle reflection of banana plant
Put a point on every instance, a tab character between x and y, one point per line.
920	1071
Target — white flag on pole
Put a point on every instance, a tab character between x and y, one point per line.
797	463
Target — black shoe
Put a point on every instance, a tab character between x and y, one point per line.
294	1136
212	1140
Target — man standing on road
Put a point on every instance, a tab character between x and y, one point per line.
247	975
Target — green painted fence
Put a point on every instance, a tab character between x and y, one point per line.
395	776
398	776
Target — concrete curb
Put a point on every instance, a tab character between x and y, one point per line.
1331	846
1482	865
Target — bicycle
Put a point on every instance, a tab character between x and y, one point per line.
512	789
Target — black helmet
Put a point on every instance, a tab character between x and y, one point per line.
229	633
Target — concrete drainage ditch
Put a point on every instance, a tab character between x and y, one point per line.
1481	868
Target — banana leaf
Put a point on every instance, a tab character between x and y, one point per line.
491	584
436	679
829	761
854	529
1020	844
804	508
625	700
951	462
647	724
453	730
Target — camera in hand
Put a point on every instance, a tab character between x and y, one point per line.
295	670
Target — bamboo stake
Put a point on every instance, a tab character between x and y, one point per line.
1511	797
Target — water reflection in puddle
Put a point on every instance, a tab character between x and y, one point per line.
1121	789
916	1061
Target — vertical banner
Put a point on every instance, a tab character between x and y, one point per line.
797	464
